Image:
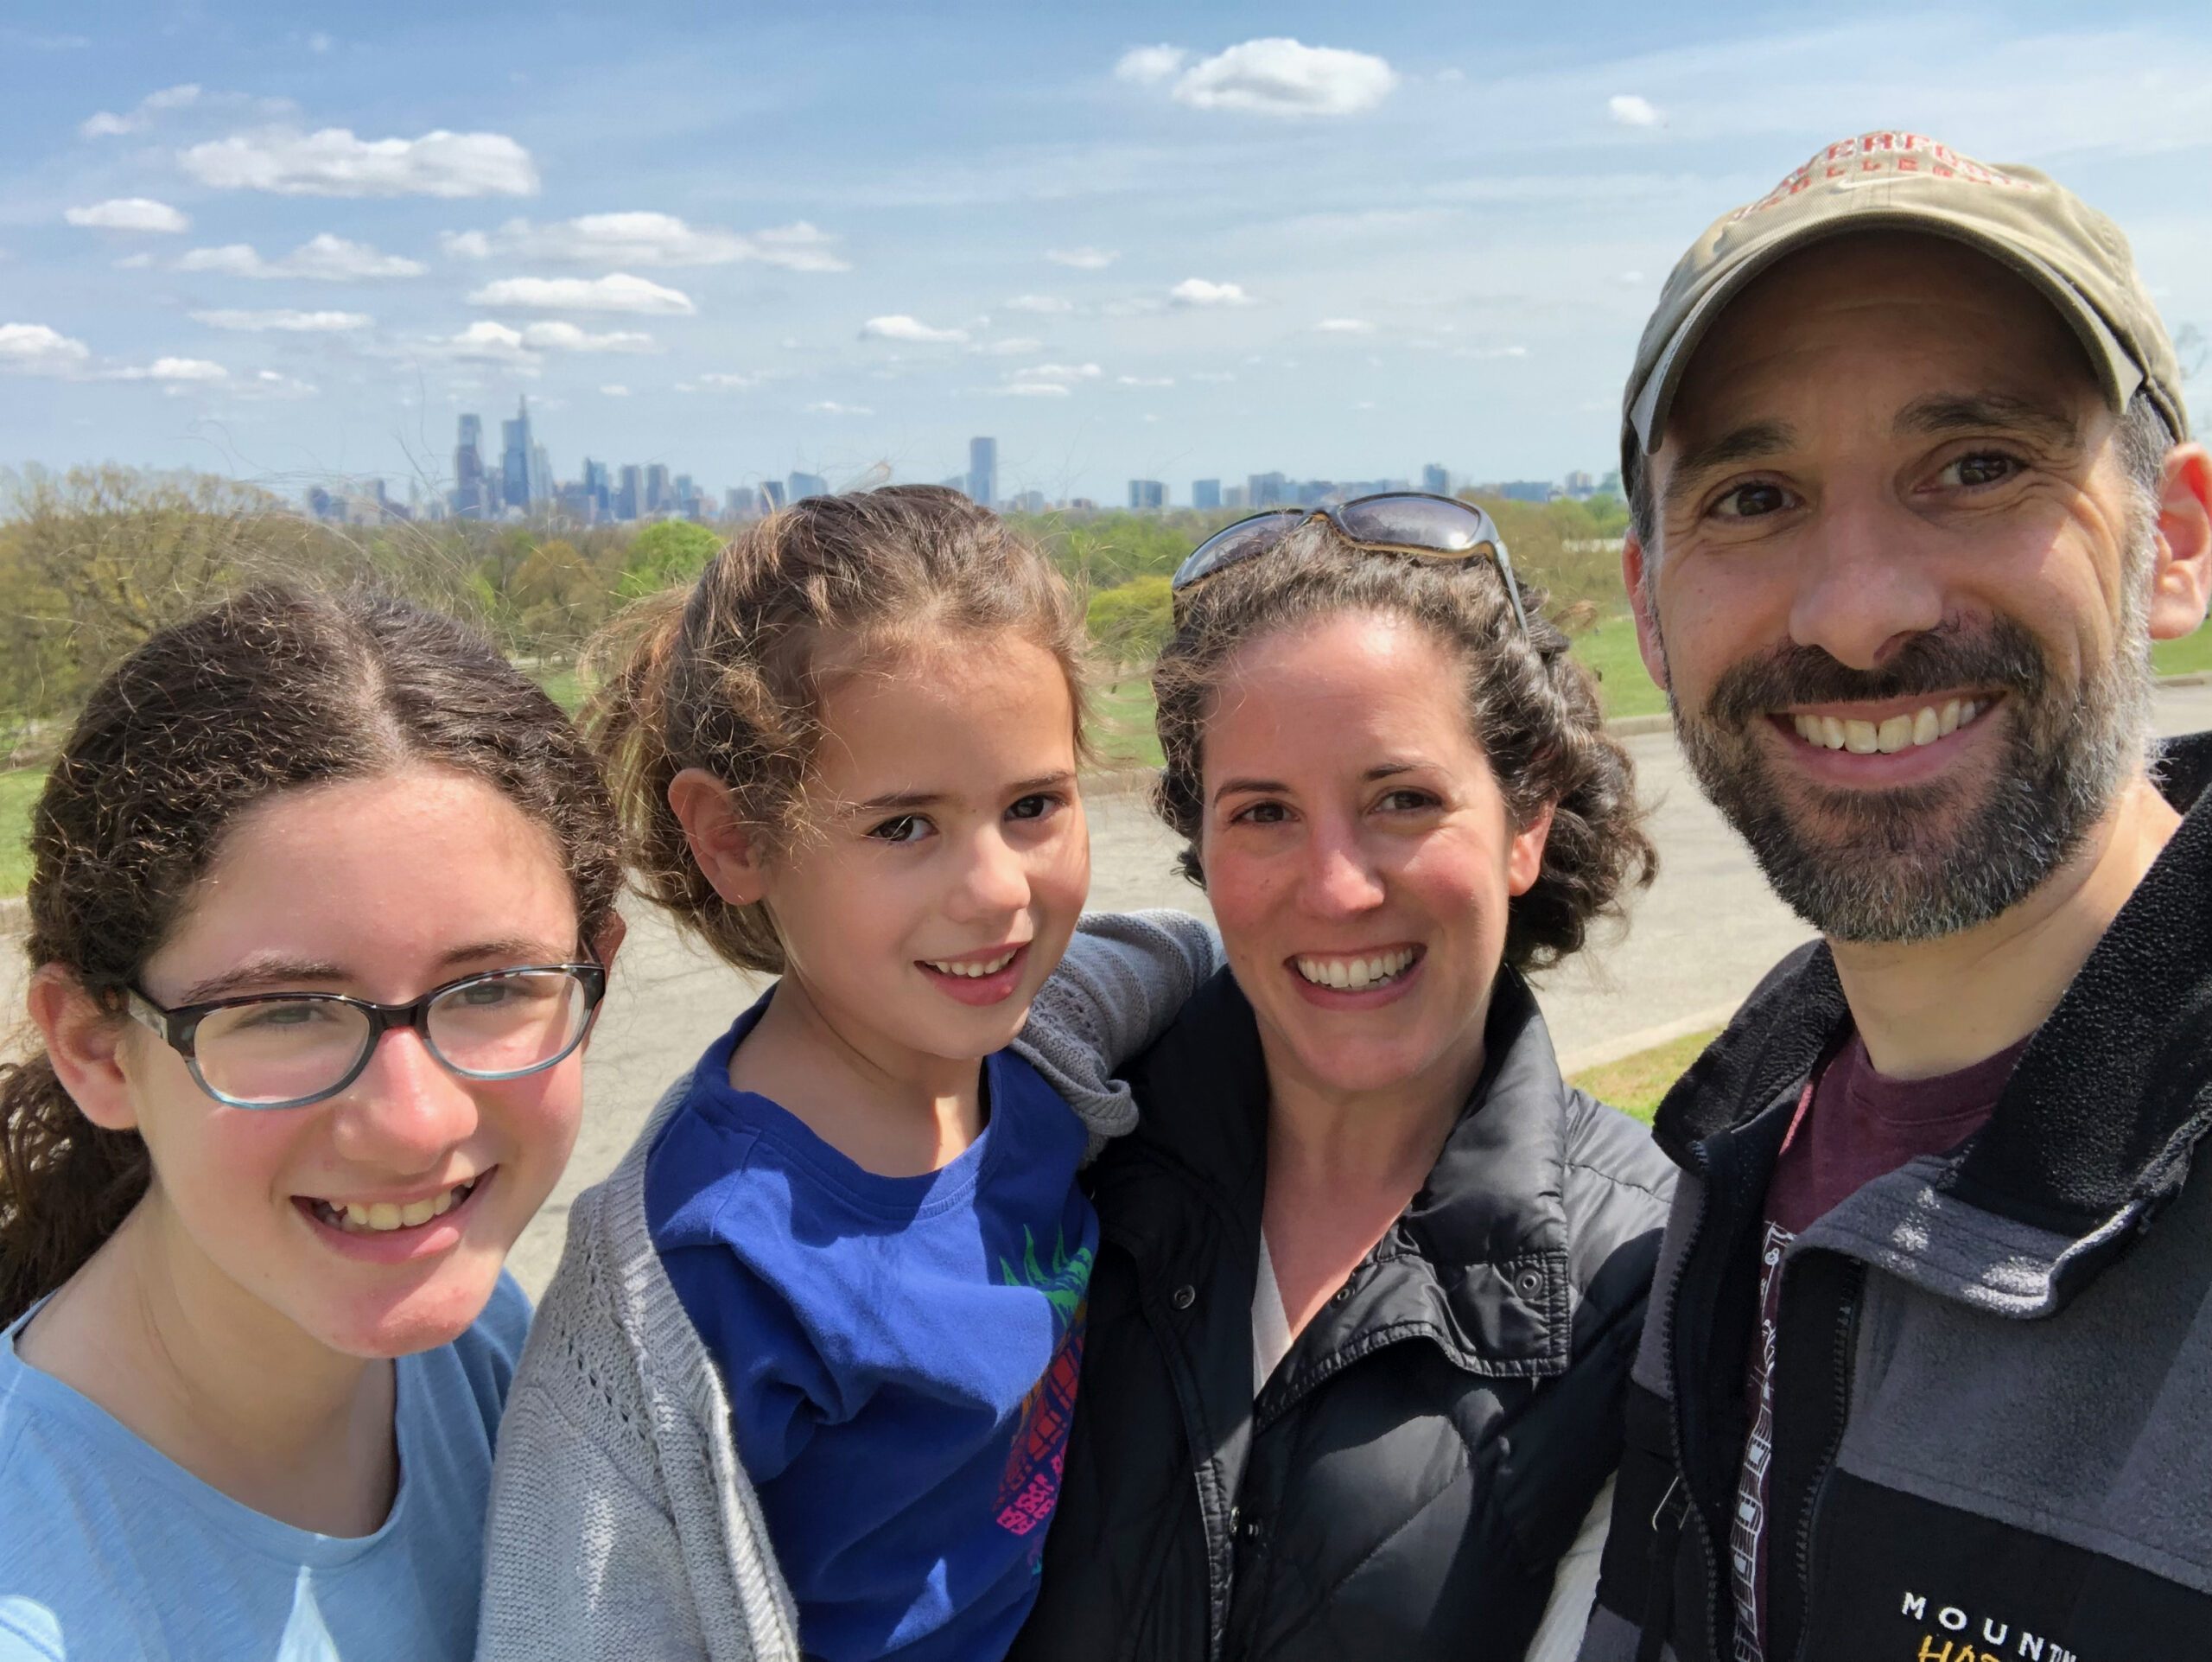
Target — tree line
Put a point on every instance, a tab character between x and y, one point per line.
95	560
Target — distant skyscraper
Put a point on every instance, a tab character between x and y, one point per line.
471	491
1147	495
1267	490
629	499
598	490
773	490
1527	490
1205	492
1580	486
1029	501
983	470
1436	480
1232	496
803	485
659	498
526	481
739	502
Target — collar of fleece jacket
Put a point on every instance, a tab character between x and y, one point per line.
2112	1094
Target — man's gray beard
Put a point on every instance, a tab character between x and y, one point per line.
1915	862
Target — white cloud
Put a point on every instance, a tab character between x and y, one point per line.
269	384
1277	76
1197	292
615	390
106	124
1346	326
1013	346
486	341
616	292
831	407
128	213
567	337
35	349
134	262
900	327
1032	389
1629	110
1043	305
1481	353
326	258
1067	373
1147	64
332	162
290	322
1083	259
644	239
730	383
175	370
1144	381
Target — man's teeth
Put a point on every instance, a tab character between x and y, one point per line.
1353	974
974	971
1925	726
379	1216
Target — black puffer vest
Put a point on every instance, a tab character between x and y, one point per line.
1409	1477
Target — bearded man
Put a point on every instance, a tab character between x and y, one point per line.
1928	1375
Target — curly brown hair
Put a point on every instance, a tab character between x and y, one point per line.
730	676
275	690
1532	708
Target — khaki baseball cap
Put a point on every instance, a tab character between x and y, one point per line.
2074	256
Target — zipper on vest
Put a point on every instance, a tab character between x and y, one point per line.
1692	1515
1845	1341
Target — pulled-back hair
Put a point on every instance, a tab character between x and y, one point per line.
1529	706
275	690
731	675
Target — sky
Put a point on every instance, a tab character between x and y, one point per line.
1130	241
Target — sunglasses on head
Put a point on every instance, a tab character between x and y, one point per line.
1412	523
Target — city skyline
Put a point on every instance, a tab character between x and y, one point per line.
1147	244
524	487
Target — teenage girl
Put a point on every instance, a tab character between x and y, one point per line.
826	1319
322	905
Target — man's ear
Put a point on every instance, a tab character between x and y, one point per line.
83	1042
731	852
1637	578
2181	581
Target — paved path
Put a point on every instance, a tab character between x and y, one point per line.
1697	943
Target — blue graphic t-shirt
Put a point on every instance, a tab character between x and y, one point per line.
900	1352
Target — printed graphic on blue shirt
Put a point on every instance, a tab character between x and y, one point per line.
1032	1485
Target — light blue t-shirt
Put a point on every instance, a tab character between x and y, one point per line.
111	1552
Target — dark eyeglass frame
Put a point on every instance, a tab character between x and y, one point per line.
1211	557
179	1027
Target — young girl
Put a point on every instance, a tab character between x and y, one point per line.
321	908
827	1314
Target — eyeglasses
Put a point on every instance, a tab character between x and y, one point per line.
287	1049
1395	522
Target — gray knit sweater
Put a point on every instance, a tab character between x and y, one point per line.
622	1525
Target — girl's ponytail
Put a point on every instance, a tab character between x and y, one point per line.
65	1184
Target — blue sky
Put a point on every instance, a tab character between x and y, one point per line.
740	240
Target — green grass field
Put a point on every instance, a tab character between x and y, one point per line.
1121	724
2191	655
1635	1084
19	788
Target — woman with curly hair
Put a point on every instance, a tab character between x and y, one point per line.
1370	1273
